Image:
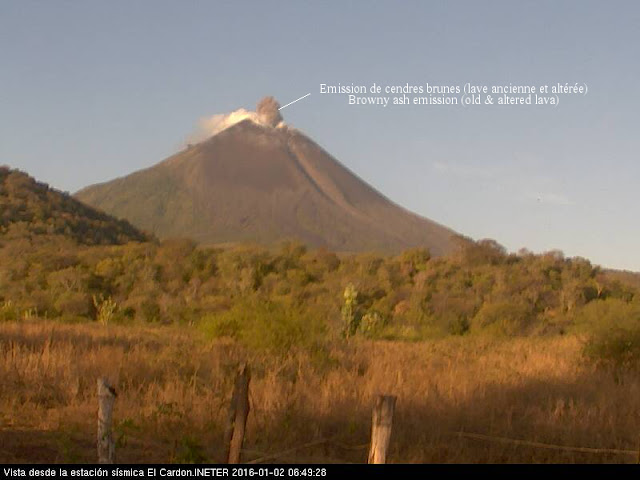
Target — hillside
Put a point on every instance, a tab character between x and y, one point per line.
28	207
263	183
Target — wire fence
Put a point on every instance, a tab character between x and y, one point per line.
548	446
468	435
382	421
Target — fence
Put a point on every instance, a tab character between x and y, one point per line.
381	427
382	422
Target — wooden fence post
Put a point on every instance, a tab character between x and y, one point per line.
382	421
238	413
106	443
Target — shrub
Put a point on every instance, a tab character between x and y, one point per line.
150	310
105	309
267	326
505	317
8	312
371	324
615	337
458	325
76	304
188	450
350	314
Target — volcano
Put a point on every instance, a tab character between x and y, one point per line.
259	180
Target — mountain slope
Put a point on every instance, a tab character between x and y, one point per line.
253	182
30	208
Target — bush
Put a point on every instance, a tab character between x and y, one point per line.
371	324
76	304
267	326
350	313
149	311
105	309
458	325
8	312
615	337
505	317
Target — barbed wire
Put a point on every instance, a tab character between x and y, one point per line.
469	435
550	446
288	452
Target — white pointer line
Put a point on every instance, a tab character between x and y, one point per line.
291	103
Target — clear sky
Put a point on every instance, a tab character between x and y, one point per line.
92	90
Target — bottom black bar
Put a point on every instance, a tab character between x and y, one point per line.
296	471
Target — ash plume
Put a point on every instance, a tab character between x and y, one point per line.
266	114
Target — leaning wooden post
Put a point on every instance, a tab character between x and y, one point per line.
381	424
238	413
106	443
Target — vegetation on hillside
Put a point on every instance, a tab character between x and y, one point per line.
480	288
29	208
58	261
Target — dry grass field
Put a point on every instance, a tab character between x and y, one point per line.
174	388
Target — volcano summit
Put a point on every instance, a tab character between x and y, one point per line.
256	179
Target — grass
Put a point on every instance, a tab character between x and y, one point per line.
174	386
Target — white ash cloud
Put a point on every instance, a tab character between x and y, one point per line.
267	115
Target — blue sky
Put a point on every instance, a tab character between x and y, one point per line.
94	90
